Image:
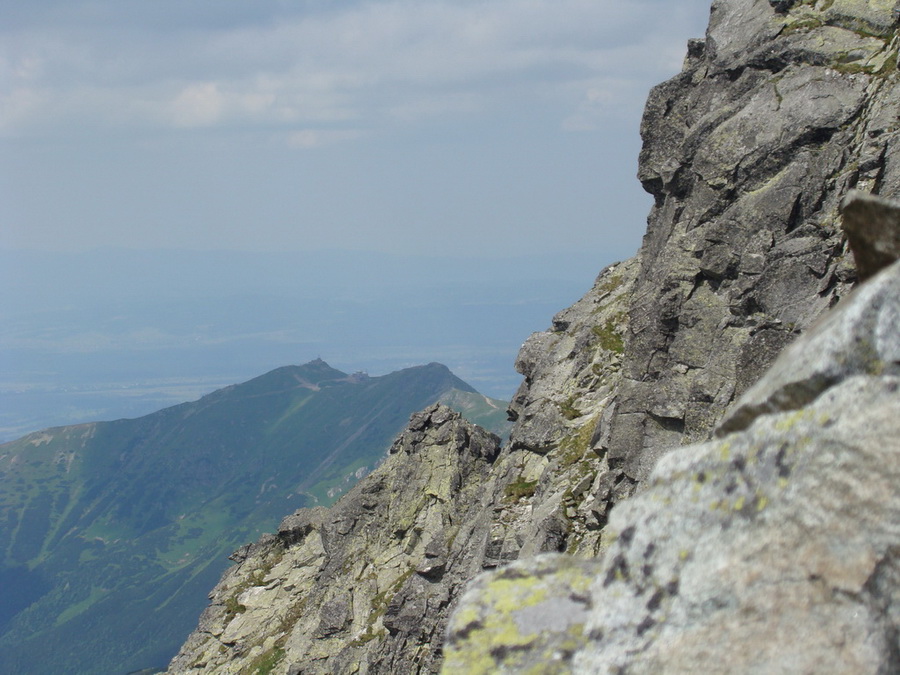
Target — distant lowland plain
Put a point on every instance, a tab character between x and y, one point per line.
116	333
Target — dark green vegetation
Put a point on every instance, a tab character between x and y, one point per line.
112	533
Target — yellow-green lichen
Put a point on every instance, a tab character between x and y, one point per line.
789	421
725	451
493	634
609	337
520	490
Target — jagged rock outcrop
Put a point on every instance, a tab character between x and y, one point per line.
362	586
368	585
773	548
872	226
778	113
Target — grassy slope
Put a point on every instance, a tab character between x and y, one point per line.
112	533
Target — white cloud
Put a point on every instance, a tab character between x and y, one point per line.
197	105
315	138
377	61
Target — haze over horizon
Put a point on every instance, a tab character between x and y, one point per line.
494	136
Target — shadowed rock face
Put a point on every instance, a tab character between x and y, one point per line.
748	152
872	225
778	548
779	112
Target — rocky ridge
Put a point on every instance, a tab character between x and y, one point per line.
368	585
335	586
780	111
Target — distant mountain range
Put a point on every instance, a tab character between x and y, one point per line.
111	333
112	533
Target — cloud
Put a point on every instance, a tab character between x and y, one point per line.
315	138
197	105
202	65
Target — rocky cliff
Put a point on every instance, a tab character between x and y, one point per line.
781	110
773	547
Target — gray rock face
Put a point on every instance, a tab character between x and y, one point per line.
862	337
748	152
773	548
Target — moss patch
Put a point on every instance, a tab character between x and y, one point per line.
609	337
568	409
265	663
520	489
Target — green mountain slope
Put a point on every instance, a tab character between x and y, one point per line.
112	533
488	413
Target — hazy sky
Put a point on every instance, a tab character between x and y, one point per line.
406	126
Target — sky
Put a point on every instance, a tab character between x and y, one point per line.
456	127
195	192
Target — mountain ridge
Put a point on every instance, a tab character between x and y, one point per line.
105	522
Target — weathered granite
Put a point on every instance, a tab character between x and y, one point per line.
861	337
773	548
364	585
748	152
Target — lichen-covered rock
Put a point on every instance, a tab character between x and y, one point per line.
363	586
527	616
773	548
571	369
